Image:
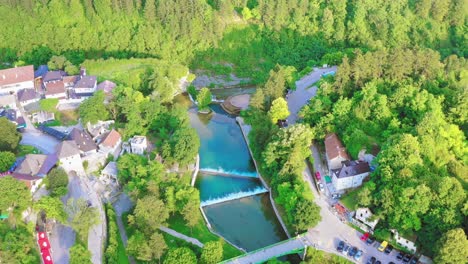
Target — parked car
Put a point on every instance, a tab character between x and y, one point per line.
371	260
382	246
346	249
320	187
336	196
413	260
391	262
389	249
353	252
317	176
370	241
340	246
406	258
365	236
400	256
378	262
358	255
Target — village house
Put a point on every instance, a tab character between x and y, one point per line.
408	243
350	175
110	143
109	174
37	164
70	81
55	90
15	79
335	152
42	117
8	101
85	86
138	145
107	87
84	141
53	76
39	75
32	182
366	218
99	129
28	96
69	156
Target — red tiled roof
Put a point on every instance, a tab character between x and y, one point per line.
111	139
334	147
16	75
55	88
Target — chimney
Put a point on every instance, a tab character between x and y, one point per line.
83	72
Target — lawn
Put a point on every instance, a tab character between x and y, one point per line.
202	233
23	150
317	256
349	200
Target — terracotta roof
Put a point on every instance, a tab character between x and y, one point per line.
27	94
111	139
351	168
16	75
70	79
334	147
54	76
84	141
55	88
106	86
86	82
67	149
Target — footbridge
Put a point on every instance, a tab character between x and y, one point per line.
294	245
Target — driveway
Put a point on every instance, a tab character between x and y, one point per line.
330	231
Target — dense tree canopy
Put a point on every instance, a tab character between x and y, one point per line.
7	159
181	255
53	208
453	247
17	246
93	109
15	195
9	137
57	182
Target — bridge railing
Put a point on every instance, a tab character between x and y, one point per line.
263	248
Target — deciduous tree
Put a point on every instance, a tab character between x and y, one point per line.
53	208
182	255
57	182
7	159
204	98
279	110
9	137
212	252
453	247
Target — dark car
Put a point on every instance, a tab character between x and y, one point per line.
413	260
406	258
371	260
391	262
388	250
378	262
400	256
340	246
353	251
346	249
370	241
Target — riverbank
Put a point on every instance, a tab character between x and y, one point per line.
245	132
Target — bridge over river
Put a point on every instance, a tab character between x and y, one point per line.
293	245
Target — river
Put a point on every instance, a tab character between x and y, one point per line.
232	196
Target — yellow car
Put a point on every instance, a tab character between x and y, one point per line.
382	246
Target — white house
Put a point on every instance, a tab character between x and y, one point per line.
86	85
28	96
110	143
350	175
14	79
335	152
408	243
69	157
364	215
138	145
8	101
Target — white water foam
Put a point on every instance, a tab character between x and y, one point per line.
234	196
221	171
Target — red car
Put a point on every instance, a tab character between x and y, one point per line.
365	237
317	175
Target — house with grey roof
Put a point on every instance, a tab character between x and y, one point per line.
85	86
84	141
37	164
350	175
69	157
28	96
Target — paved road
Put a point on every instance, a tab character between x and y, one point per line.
330	231
298	98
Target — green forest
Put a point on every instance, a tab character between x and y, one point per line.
400	89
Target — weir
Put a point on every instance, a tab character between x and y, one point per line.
233	196
228	173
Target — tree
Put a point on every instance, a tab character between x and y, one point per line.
150	213
93	109
138	247
17	245
82	217
158	245
212	252
15	196
57	182
7	159
191	213
204	98
80	255
279	110
184	145
182	255
57	63
307	215
9	137
453	247
53	208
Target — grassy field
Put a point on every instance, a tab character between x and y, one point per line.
23	150
203	234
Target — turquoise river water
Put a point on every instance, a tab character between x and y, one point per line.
233	198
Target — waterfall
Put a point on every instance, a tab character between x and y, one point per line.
233	196
222	172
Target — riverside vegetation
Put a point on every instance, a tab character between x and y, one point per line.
401	87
